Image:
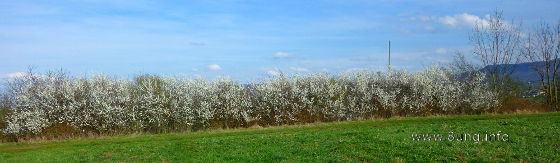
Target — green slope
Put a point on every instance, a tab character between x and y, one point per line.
531	137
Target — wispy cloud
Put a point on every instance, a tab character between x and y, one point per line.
299	69
273	72
463	20
441	51
16	74
214	67
429	28
127	36
283	55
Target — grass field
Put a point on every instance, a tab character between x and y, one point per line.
531	137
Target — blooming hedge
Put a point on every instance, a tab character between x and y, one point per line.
159	104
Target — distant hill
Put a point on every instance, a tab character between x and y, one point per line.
524	72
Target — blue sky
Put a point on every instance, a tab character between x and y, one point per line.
245	40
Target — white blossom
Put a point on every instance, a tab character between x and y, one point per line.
158	104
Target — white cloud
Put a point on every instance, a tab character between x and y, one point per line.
429	28
441	51
282	55
299	69
214	67
463	20
426	18
16	74
273	72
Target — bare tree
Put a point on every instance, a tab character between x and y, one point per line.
461	66
496	44
542	48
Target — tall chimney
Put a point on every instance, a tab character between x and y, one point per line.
389	66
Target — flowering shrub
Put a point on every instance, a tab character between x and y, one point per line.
159	104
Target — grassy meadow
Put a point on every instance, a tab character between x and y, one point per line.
531	137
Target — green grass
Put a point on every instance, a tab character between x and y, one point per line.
532	137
